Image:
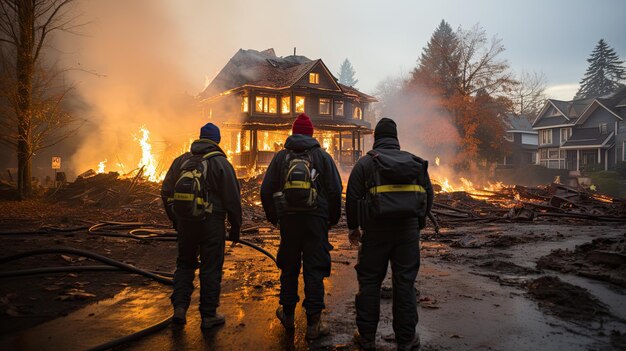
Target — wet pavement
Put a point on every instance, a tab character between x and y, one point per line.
463	306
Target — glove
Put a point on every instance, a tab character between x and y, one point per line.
233	235
355	236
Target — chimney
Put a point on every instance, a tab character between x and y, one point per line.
294	51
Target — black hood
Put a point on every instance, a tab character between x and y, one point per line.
387	143
300	142
204	146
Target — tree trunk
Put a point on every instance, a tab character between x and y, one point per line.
25	69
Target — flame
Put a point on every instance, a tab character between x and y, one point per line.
148	162
437	160
101	166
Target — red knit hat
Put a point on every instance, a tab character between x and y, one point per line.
302	125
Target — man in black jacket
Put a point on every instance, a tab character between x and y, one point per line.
385	240
204	238
304	234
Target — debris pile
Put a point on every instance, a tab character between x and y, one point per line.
601	259
520	203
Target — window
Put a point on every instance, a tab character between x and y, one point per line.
244	104
266	104
357	113
299	104
566	133
314	78
338	108
552	158
545	136
602	127
324	106
285	105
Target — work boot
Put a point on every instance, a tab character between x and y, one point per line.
410	346
363	342
287	320
211	321
180	315
316	328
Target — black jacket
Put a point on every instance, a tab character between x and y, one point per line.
222	184
329	198
357	189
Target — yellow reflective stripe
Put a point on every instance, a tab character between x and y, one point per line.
398	188
183	197
298	184
212	153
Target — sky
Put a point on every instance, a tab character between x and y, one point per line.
384	38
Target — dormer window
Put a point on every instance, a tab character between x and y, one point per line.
314	78
603	129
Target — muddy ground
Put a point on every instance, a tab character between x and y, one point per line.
499	286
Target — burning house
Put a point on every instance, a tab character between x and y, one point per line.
257	95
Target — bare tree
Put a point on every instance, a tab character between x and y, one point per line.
480	67
25	26
528	94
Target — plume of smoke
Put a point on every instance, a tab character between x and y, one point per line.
425	128
139	81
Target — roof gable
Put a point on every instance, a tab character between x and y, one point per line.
597	103
326	79
551	113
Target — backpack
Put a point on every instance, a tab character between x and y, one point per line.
299	191
191	195
396	187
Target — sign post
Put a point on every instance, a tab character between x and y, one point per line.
56	164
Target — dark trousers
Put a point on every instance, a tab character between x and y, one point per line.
377	249
303	241
205	240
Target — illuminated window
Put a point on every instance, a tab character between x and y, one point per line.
338	108
299	104
244	104
285	104
324	106
314	78
266	104
357	113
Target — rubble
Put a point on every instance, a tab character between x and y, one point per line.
601	259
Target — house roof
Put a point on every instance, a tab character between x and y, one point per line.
517	123
587	137
575	111
265	69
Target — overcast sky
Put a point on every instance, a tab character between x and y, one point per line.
380	38
383	38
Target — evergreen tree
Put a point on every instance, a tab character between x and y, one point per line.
438	65
346	74
604	74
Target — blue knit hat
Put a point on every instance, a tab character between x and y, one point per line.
210	131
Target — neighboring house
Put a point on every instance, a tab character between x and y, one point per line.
522	141
257	95
580	134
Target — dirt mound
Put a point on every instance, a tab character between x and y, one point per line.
566	301
601	259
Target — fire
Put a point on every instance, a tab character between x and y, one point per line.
101	166
437	160
148	162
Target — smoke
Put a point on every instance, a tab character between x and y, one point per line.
425	128
131	75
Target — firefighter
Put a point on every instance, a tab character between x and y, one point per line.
389	194
301	194
198	211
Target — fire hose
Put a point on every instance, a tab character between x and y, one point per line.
140	233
